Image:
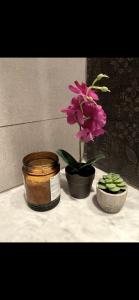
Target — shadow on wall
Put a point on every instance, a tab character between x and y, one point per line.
120	144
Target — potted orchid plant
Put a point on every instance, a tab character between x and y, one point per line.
85	111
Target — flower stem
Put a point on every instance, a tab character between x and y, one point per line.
94	82
80	149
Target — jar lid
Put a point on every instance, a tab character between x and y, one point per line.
40	163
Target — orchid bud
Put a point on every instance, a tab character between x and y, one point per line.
104	89
100	76
101	88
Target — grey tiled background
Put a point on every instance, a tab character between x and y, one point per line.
32	91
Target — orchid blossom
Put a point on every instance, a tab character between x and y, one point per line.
85	111
83	90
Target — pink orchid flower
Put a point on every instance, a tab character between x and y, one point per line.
73	111
95	114
93	126
87	135
91	118
83	90
87	114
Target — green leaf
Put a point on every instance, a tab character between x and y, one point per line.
108	176
105	176
115	177
116	189
68	158
102	181
92	161
122	184
110	186
119	180
101	186
108	180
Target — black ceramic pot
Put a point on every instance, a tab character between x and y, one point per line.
80	184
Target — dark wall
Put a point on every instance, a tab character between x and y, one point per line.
120	144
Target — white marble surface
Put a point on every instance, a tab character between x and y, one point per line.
71	221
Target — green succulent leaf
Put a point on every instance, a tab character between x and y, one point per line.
105	176
116	177
115	189
102	181
122	184
108	176
110	185
108	180
101	186
119	180
113	182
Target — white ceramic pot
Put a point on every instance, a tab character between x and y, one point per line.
111	203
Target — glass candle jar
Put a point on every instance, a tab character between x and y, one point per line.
41	174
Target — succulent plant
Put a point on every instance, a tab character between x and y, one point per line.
112	183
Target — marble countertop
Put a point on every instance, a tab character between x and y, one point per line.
72	220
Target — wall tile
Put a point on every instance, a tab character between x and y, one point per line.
36	88
17	141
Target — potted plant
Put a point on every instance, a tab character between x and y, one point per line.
85	111
111	192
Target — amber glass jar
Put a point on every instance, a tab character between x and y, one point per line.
41	173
